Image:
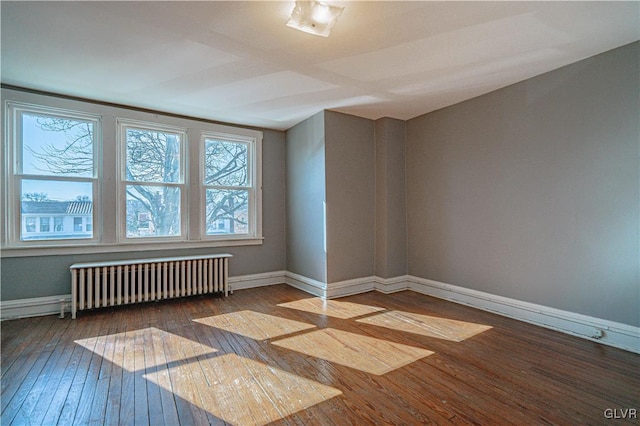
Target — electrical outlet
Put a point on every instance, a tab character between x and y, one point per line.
596	333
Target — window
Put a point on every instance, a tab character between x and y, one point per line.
58	224
53	165
152	179
44	224
229	185
148	183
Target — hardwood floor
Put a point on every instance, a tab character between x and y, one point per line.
277	355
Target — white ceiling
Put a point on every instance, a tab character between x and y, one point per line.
237	62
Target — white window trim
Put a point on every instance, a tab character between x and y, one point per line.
14	175
254	143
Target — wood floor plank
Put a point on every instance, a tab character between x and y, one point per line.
141	406
179	376
99	402
55	368
25	396
126	415
154	399
18	343
114	395
203	360
169	410
224	407
60	394
84	408
86	330
190	352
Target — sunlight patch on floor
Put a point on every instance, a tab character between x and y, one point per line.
125	349
332	308
255	325
425	325
241	391
364	353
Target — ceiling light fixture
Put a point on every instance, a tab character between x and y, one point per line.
314	17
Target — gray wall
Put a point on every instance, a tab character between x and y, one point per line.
350	183
531	192
28	277
305	165
391	224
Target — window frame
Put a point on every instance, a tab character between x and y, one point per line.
254	185
106	188
123	124
14	173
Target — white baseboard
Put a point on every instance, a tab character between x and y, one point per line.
392	285
362	285
349	287
39	306
599	330
33	307
257	280
311	286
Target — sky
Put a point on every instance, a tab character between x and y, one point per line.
57	190
35	138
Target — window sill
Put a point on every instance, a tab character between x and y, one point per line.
123	247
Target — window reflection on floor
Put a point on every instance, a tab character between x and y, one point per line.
122	348
255	325
232	388
331	308
241	391
364	353
425	325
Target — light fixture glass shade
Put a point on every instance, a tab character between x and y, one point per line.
314	17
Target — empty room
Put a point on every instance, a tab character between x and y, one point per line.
320	212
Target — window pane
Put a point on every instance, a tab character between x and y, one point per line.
226	163
57	146
67	201
153	211
153	156
227	212
44	224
